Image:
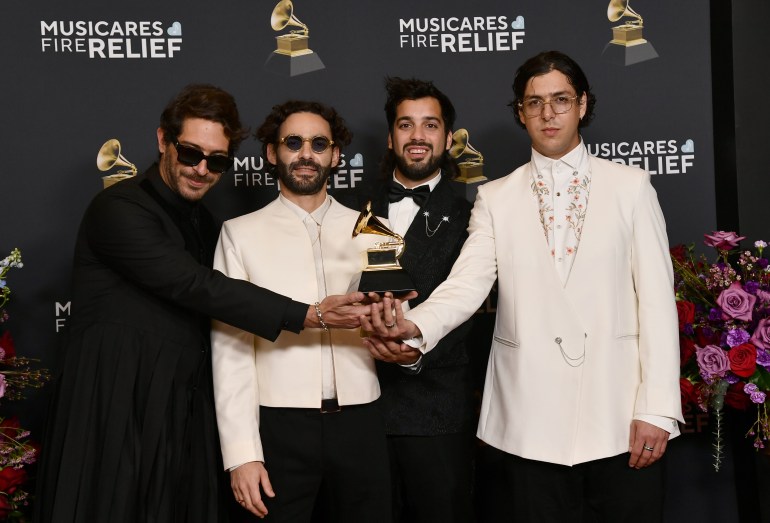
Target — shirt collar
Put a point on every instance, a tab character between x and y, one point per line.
573	159
317	215
432	183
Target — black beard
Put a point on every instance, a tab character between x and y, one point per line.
301	186
418	172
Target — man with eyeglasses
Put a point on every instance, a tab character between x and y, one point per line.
132	430
296	415
582	389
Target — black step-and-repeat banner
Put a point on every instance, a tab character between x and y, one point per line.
76	74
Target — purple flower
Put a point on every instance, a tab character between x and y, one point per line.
732	378
763	358
757	397
749	388
712	361
736	303
751	287
737	337
763	295
2	385
762	262
715	314
761	336
722	240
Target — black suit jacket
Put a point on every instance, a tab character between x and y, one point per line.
438	400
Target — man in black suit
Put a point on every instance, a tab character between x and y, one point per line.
428	406
131	433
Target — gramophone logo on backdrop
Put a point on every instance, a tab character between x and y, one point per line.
627	46
469	160
108	157
468	34
102	39
292	55
254	171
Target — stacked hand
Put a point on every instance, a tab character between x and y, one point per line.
387	329
341	311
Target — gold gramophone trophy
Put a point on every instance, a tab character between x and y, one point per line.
627	46
472	167
292	56
109	156
382	272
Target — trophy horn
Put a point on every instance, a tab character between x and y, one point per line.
109	156
461	146
620	8
368	223
283	15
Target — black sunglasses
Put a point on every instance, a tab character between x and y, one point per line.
190	156
318	144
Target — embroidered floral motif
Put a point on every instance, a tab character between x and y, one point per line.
574	214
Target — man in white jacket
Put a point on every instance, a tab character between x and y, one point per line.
301	406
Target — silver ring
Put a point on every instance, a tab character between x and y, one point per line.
390	326
645	447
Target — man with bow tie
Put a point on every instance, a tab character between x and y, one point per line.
428	407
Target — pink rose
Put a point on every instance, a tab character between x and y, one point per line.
736	303
761	336
722	240
712	361
2	385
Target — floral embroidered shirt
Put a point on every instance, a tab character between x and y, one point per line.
561	188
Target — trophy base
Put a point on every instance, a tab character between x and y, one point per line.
288	65
629	52
396	281
471	173
470	188
112	179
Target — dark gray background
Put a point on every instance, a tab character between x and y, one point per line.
60	107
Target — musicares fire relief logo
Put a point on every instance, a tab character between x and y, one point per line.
116	39
654	156
467	34
254	172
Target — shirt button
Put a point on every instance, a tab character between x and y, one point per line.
558	226
558	194
574	173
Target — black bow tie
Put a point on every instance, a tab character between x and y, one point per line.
398	192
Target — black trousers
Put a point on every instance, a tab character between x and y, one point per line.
432	478
601	491
340	456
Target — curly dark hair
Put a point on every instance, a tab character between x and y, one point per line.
544	63
400	89
209	103
267	133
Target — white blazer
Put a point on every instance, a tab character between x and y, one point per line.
271	248
616	308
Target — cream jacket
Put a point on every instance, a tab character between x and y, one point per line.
271	248
616	314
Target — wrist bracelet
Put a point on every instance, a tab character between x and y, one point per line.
320	319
